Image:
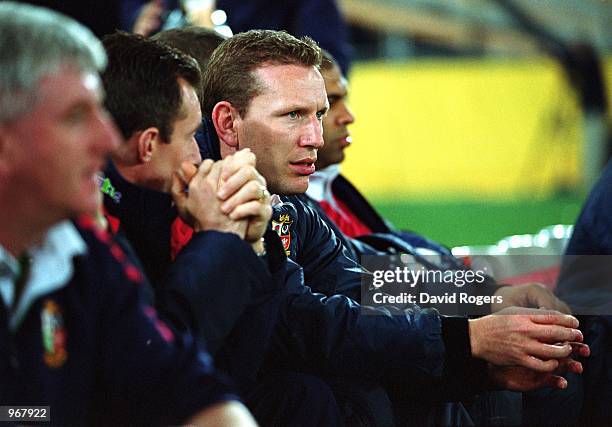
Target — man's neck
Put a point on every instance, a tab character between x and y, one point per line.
126	163
138	175
17	237
22	222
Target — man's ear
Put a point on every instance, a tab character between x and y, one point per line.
146	144
224	117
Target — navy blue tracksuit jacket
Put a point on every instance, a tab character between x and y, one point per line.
123	366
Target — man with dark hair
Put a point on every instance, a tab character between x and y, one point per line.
159	157
75	335
138	106
223	284
152	92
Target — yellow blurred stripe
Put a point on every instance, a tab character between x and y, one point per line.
464	128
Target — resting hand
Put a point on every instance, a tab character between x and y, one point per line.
522	379
533	295
531	338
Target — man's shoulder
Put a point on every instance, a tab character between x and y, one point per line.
593	230
298	214
302	227
600	200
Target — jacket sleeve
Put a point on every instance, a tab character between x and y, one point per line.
206	294
328	265
166	375
336	336
382	249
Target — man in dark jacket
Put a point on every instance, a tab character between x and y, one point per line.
263	91
76	336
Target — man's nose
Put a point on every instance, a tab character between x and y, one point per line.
312	134
346	117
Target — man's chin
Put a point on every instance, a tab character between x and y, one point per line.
89	203
292	192
290	189
88	209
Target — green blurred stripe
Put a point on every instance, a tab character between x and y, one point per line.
478	222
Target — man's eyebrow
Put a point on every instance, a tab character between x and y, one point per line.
78	106
292	107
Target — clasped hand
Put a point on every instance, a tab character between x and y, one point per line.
528	348
228	195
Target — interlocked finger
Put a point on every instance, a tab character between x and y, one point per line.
251	191
238	180
264	194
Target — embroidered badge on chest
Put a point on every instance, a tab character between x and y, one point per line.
107	188
53	335
283	229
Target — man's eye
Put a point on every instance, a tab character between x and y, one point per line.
293	115
320	115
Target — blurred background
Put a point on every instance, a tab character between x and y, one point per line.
479	119
476	119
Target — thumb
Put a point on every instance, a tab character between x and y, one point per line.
188	171
563	307
178	189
